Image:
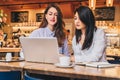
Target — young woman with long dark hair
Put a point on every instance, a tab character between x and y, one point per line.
89	42
52	25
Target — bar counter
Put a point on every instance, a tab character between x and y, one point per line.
75	72
13	66
5	49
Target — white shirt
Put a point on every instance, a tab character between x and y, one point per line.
95	53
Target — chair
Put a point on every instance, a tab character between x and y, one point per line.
26	77
10	75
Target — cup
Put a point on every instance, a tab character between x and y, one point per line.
8	57
64	61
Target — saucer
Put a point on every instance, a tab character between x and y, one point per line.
64	66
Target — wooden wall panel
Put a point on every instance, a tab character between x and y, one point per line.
67	10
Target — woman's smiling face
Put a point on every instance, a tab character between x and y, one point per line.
51	16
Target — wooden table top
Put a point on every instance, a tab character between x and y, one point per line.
5	49
75	72
12	65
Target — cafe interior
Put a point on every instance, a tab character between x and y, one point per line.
18	18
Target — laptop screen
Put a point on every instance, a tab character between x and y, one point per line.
43	49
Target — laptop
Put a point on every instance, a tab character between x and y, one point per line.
44	50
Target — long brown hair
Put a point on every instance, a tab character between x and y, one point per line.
59	27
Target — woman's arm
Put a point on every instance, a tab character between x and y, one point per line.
65	48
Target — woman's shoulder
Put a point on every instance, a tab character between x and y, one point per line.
99	31
100	34
37	32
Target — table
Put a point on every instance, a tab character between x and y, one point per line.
4	49
12	50
12	65
75	72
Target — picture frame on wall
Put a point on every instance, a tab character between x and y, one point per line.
39	17
19	16
104	13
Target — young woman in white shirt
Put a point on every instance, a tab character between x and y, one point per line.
89	42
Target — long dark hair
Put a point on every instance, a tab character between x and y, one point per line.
58	27
86	16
